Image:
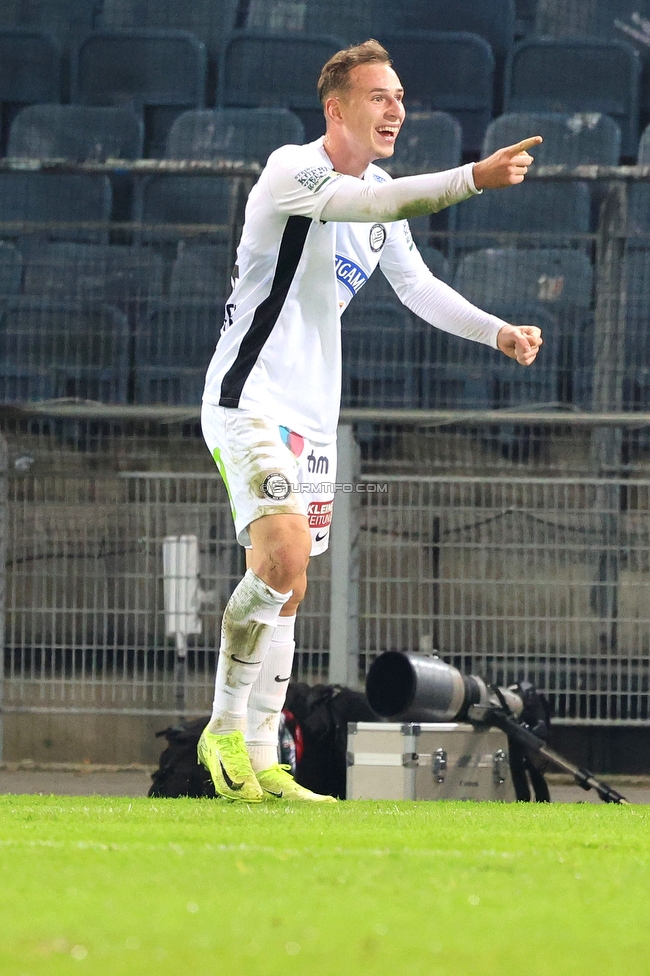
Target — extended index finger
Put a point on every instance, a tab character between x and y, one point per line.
524	145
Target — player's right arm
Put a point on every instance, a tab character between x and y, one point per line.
300	183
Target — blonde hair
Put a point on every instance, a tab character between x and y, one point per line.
335	76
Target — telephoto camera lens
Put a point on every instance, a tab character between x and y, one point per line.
419	688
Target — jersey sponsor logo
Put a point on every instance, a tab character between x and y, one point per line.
379	178
320	514
317	465
314	177
377	237
276	486
408	235
349	273
321	535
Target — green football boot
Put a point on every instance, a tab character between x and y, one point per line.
226	759
278	784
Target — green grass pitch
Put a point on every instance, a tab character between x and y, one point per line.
202	888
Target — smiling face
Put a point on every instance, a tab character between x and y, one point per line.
366	117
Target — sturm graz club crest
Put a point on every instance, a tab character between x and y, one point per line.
276	486
377	237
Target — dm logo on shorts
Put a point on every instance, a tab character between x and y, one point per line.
377	237
276	486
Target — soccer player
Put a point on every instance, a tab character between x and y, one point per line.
272	393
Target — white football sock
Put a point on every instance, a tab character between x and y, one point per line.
247	627
268	695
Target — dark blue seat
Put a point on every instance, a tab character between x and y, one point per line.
158	73
447	72
242	134
493	20
350	21
380	356
580	139
63	349
11	270
201	272
129	278
427	142
50	198
280	70
584	18
577	75
492	219
559	280
30	72
77	132
169	199
174	345
468	375
209	20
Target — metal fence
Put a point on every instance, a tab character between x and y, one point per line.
509	532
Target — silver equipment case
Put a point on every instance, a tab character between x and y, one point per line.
427	761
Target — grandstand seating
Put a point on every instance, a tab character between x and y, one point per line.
30	72
577	75
157	73
428	141
62	349
448	72
584	18
52	198
494	20
128	278
526	209
210	20
572	140
380	356
241	134
174	344
11	270
167	199
279	70
350	21
201	272
63	19
77	132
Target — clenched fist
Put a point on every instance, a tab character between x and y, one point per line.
520	342
505	167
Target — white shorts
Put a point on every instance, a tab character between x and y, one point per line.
270	470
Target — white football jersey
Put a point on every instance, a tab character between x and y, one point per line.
279	353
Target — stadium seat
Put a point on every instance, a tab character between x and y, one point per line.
583	18
561	209
427	142
201	272
126	277
63	349
457	374
584	138
174	345
11	270
168	199
557	279
281	70
493	20
448	72
240	134
77	132
350	21
158	73
30	72
525	12
380	356
209	20
64	19
577	75
50	198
